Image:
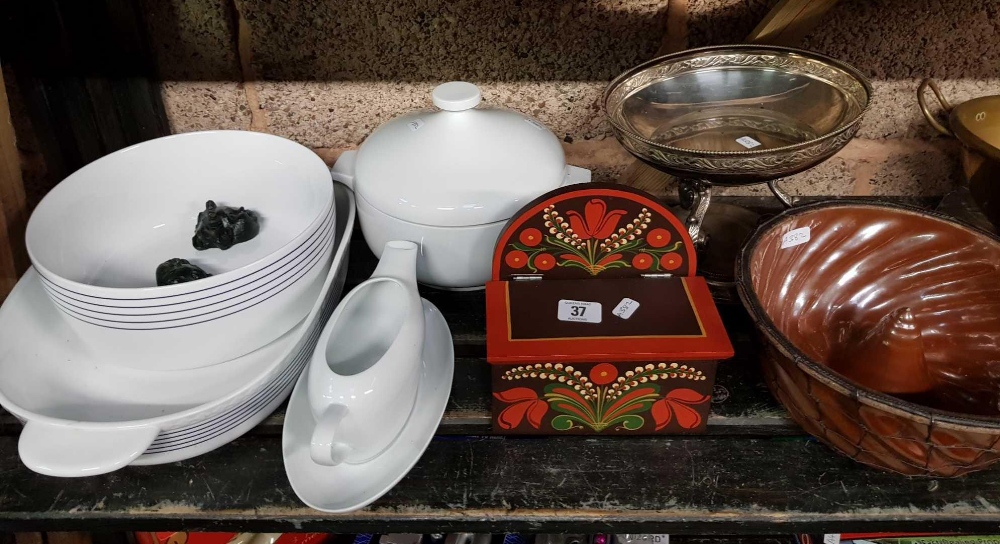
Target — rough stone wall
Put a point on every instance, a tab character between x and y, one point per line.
327	72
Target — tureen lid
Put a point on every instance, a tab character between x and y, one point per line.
458	165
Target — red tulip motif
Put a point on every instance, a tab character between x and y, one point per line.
597	221
524	402
678	404
595	238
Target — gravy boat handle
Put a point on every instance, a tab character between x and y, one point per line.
68	451
325	448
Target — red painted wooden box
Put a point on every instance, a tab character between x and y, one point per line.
596	321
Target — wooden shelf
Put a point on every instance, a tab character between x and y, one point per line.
754	472
709	485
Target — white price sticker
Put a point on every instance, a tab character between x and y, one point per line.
831	539
625	308
415	124
795	237
579	311
747	142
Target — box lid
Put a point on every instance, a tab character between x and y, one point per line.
599	273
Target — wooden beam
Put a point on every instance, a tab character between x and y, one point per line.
790	21
638	174
13	205
86	77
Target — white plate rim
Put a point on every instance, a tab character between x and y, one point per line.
286	280
210	292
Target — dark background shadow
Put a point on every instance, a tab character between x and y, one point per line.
545	40
87	73
417	40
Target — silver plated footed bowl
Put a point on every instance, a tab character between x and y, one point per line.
737	114
734	115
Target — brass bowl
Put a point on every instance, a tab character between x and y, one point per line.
737	114
817	303
976	123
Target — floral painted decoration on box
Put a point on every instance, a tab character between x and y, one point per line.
602	231
595	398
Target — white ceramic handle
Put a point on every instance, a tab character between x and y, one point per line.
343	169
68	451
456	96
325	448
575	174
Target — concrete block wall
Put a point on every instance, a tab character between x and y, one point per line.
328	72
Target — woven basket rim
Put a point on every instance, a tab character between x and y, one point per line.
821	372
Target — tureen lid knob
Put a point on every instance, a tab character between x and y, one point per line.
457	96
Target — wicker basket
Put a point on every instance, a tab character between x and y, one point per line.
873	428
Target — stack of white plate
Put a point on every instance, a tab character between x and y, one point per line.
104	368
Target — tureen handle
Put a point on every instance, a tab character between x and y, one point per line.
456	96
343	169
68	451
574	175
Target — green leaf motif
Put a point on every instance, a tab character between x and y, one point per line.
645	402
573	264
550	388
630	422
563	245
633	246
564	399
637	406
583	408
615	264
564	422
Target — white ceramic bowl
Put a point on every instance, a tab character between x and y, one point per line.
283	286
450	257
84	417
259	285
209	339
103	230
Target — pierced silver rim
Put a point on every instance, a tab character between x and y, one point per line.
842	66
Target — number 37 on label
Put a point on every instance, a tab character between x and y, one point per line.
579	311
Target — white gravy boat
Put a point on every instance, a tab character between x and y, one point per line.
364	374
